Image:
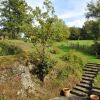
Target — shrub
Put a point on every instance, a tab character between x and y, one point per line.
74	57
70	69
97	80
54	50
9	49
95	49
42	67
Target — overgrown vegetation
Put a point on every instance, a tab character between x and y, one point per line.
9	49
41	68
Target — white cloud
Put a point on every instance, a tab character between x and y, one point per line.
73	13
34	3
77	23
70	14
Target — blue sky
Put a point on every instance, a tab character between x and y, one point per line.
71	11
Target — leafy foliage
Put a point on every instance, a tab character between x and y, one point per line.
75	33
96	49
93	9
60	30
15	17
91	29
74	57
9	49
41	69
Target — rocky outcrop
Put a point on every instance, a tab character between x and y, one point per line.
18	76
27	84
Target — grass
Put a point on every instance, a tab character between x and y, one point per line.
63	48
82	42
25	46
8	61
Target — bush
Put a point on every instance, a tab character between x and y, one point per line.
95	49
8	49
70	69
74	57
54	50
42	67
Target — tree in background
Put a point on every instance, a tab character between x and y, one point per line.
75	33
15	17
60	30
91	30
94	12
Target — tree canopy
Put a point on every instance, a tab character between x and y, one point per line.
15	16
94	12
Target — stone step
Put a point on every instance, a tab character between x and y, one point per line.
87	78
87	86
81	89
91	64
85	81
98	64
96	91
78	93
91	70
92	67
88	75
92	73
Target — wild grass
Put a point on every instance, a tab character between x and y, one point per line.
7	61
64	48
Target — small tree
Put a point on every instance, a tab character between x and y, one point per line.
42	35
48	28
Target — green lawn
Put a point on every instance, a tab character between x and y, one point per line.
63	49
82	42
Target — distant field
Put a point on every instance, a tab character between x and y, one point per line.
82	42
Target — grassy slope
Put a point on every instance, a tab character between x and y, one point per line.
63	49
25	46
62	46
7	61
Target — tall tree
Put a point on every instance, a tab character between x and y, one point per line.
14	15
60	30
93	9
94	12
91	29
